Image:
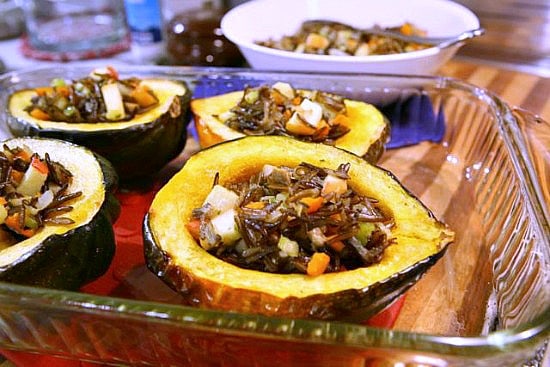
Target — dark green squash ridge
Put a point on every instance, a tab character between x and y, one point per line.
206	281
137	148
67	257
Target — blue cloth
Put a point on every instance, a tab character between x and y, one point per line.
413	120
412	117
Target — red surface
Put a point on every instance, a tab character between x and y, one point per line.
129	254
28	51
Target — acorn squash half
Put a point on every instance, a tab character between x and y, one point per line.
368	135
136	148
68	256
206	281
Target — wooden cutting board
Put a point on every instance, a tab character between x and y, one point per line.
528	91
463	287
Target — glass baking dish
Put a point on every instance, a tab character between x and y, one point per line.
478	164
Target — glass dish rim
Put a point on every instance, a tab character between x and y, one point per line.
504	341
528	335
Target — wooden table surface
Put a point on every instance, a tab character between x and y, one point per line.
517	89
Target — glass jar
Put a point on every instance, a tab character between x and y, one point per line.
11	20
61	26
194	37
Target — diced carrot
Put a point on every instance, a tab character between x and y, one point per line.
297	100
24	155
143	96
322	130
337	246
113	72
42	91
37	113
351	43
407	29
40	165
3	200
315	40
255	205
193	226
340	119
278	98
313	203
16	176
318	264
296	126
28	232
13	222
287	114
63	90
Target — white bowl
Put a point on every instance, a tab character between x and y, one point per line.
260	20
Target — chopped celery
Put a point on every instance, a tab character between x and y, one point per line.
31	222
69	111
365	231
58	82
61	103
252	96
288	246
113	102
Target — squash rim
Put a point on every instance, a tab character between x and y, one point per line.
287	285
85	208
19	99
367	124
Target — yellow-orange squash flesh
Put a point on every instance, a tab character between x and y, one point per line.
369	129
137	148
70	255
206	281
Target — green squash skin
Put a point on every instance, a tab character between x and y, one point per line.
353	304
135	152
67	261
377	149
76	257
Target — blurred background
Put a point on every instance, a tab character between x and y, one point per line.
517	35
187	32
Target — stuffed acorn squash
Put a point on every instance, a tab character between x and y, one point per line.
280	109
137	124
57	213
352	291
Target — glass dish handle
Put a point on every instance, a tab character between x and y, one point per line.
536	135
